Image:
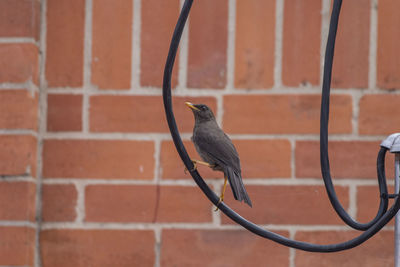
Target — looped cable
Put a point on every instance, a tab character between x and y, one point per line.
383	216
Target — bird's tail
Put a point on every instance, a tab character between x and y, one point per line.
238	189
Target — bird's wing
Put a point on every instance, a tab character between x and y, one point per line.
220	148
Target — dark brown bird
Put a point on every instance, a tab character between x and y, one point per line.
217	151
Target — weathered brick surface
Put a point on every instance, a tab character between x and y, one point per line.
208	44
140	113
106	203
388	65
19	18
18	109
17	246
98	159
97	248
283	114
350	68
59	202
297	205
255	44
378	251
64	43
378	114
111	61
17	201
18	155
301	42
220	248
158	22
19	63
64	113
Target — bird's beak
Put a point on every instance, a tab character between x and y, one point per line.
191	106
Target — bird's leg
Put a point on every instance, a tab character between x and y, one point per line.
195	162
221	198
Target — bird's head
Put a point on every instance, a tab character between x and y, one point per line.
201	112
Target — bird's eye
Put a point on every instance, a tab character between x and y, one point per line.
203	108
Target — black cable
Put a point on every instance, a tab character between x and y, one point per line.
381	221
324	121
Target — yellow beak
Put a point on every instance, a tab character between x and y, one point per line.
190	105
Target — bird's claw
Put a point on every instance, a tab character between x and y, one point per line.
221	199
194	167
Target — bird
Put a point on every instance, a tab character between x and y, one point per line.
217	151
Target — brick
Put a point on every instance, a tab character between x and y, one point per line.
100	248
284	114
110	159
17	246
255	44
368	199
17	155
127	113
18	109
350	67
388	54
378	114
125	203
64	113
301	205
18	63
220	248
19	18
377	251
259	158
208	39
301	42
17	201
111	60
158	23
65	42
348	159
58	202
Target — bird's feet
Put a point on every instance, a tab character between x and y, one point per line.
195	162
221	198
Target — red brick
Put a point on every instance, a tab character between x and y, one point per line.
301	42
350	68
255	44
19	18
348	159
368	199
112	44
377	251
17	246
113	159
378	114
388	54
100	248
158	23
259	158
65	41
18	109
58	202
299	204
64	113
220	248
140	113
18	63
17	201
208	38
284	114
17	155
126	203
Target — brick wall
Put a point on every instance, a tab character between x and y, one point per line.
90	176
